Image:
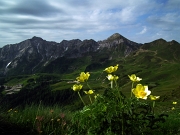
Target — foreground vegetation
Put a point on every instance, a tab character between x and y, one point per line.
103	110
54	120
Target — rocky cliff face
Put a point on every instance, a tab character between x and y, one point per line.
31	54
118	41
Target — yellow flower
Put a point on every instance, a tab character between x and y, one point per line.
77	87
96	96
174	103
134	78
83	77
111	77
154	97
10	110
173	108
58	120
89	92
141	91
111	69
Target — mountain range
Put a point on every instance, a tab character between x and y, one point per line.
38	55
34	54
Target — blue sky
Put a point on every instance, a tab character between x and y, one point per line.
141	21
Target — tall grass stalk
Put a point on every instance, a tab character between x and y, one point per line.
37	113
39	118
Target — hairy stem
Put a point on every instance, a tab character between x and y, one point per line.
81	98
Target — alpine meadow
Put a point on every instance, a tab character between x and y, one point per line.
109	87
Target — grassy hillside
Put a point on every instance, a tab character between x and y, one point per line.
158	63
49	93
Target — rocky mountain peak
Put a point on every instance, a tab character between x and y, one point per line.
36	38
115	37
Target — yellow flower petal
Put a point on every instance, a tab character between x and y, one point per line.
174	103
77	87
83	77
116	77
141	91
58	120
111	69
154	97
96	96
111	77
89	92
134	78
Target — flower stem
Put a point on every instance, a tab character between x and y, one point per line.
120	96
132	88
153	106
111	84
90	89
90	99
81	98
88	85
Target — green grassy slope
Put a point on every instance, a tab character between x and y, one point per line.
157	63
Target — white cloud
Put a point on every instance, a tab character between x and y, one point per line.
144	30
68	19
166	21
158	34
